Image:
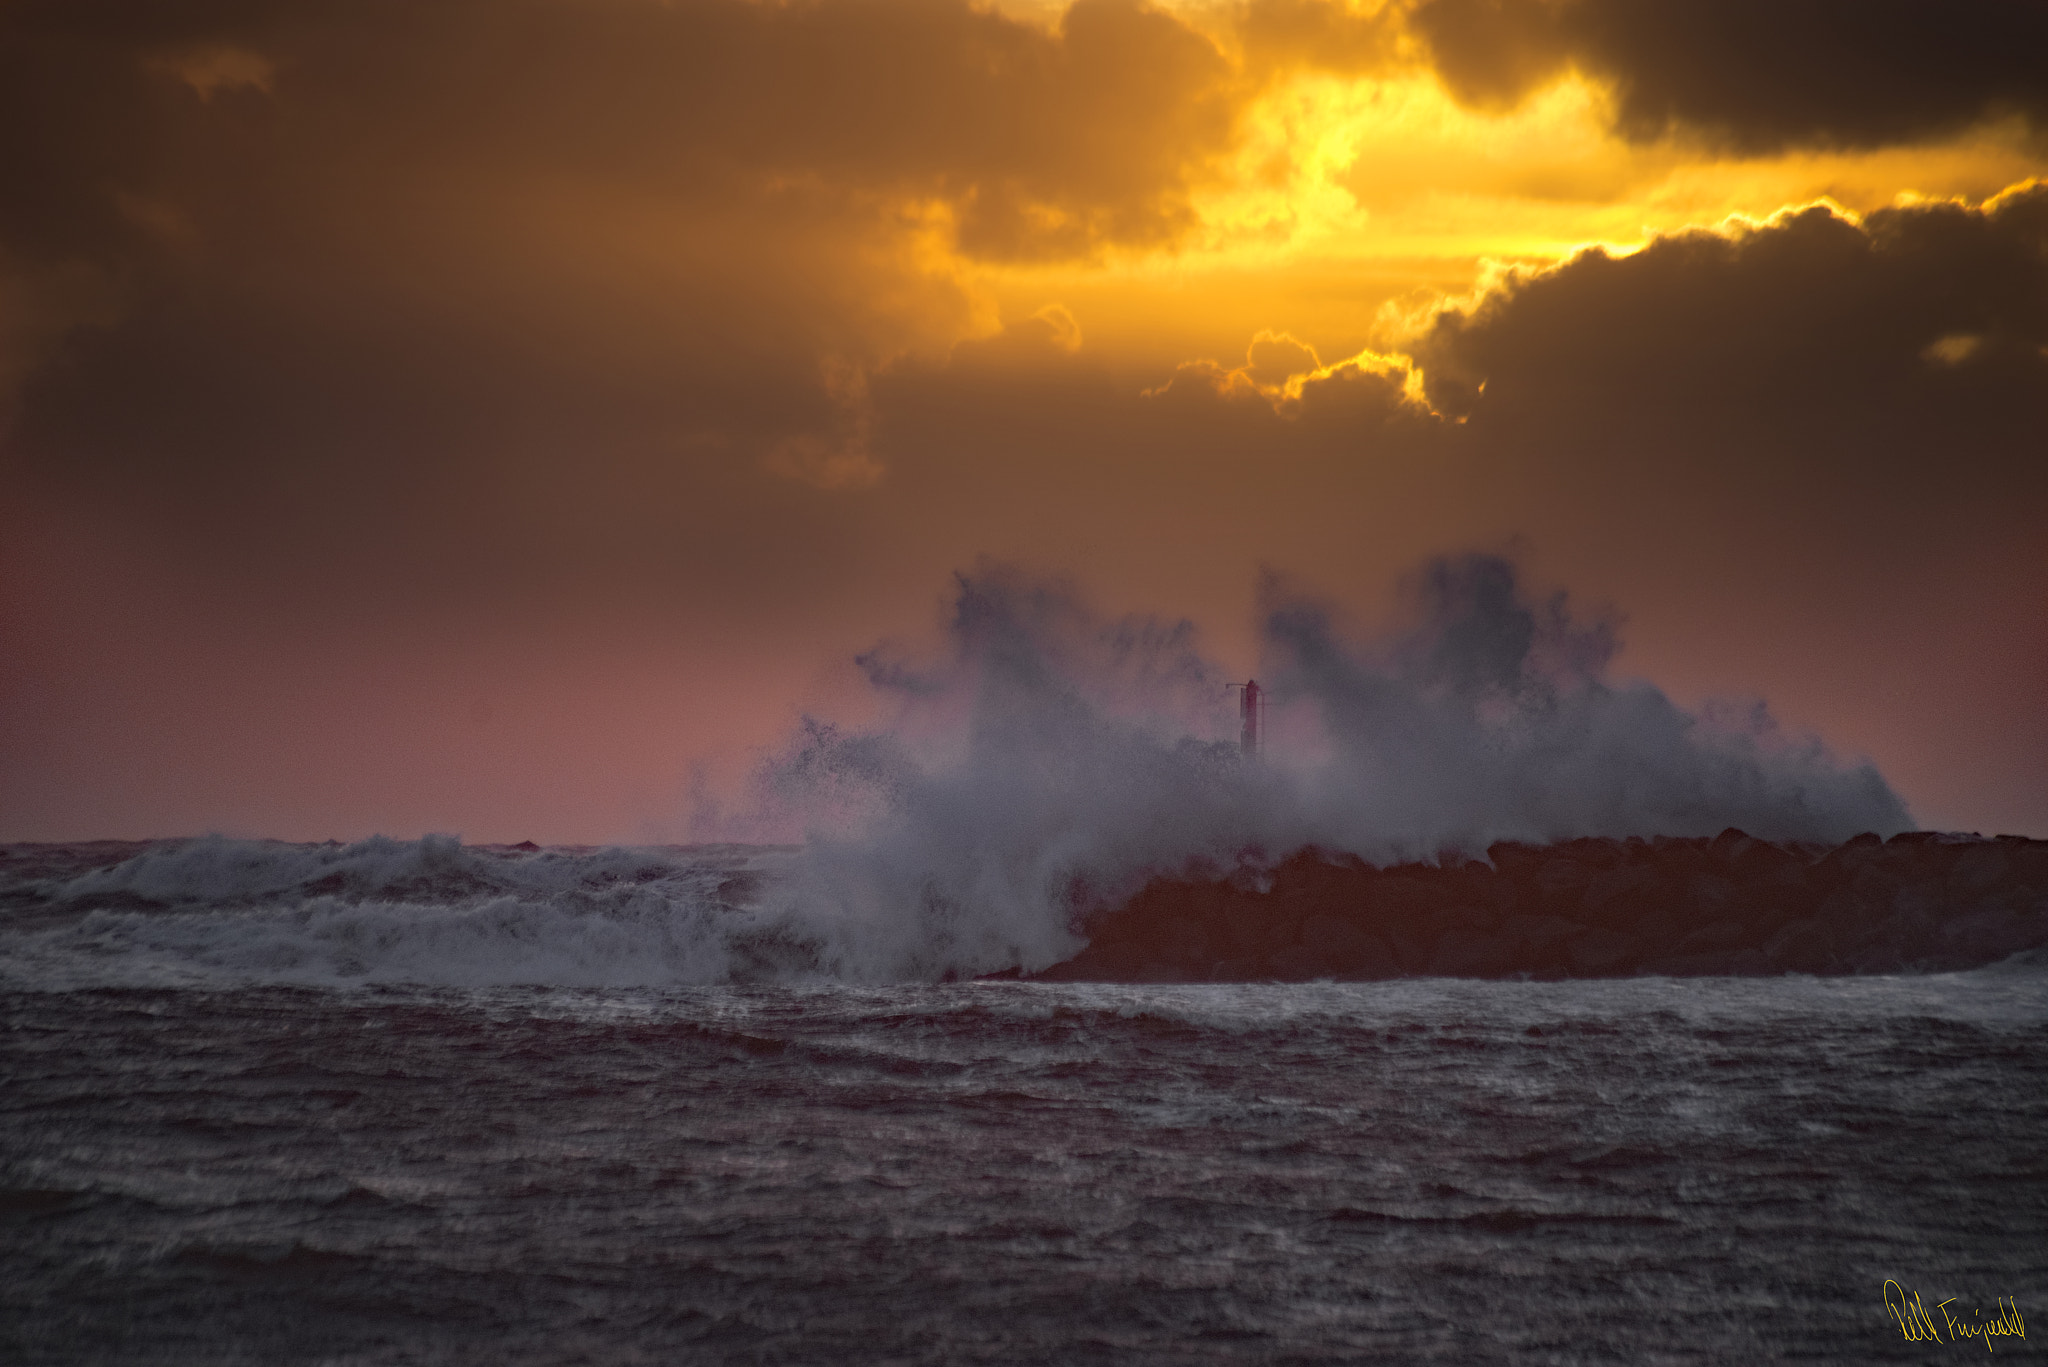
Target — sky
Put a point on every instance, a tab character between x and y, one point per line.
509	417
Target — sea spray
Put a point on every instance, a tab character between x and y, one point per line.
1055	759
1490	718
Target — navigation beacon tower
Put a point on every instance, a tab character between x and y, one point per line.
1251	708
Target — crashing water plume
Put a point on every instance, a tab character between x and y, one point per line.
1056	760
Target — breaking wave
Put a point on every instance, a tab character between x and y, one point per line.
1055	760
433	910
1047	766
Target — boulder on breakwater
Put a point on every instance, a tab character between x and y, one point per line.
1592	908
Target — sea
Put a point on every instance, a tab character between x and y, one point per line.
415	1103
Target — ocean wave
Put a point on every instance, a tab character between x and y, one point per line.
431	910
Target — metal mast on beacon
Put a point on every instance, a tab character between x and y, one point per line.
1251	710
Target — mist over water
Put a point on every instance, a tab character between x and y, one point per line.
1046	765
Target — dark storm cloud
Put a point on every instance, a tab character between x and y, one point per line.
1910	346
1090	131
1901	358
342	272
1759	75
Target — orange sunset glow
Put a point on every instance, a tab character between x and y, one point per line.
510	417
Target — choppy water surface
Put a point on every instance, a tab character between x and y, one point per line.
1638	1170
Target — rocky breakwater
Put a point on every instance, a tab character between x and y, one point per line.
1732	905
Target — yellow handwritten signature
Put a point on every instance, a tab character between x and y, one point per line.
1919	1327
